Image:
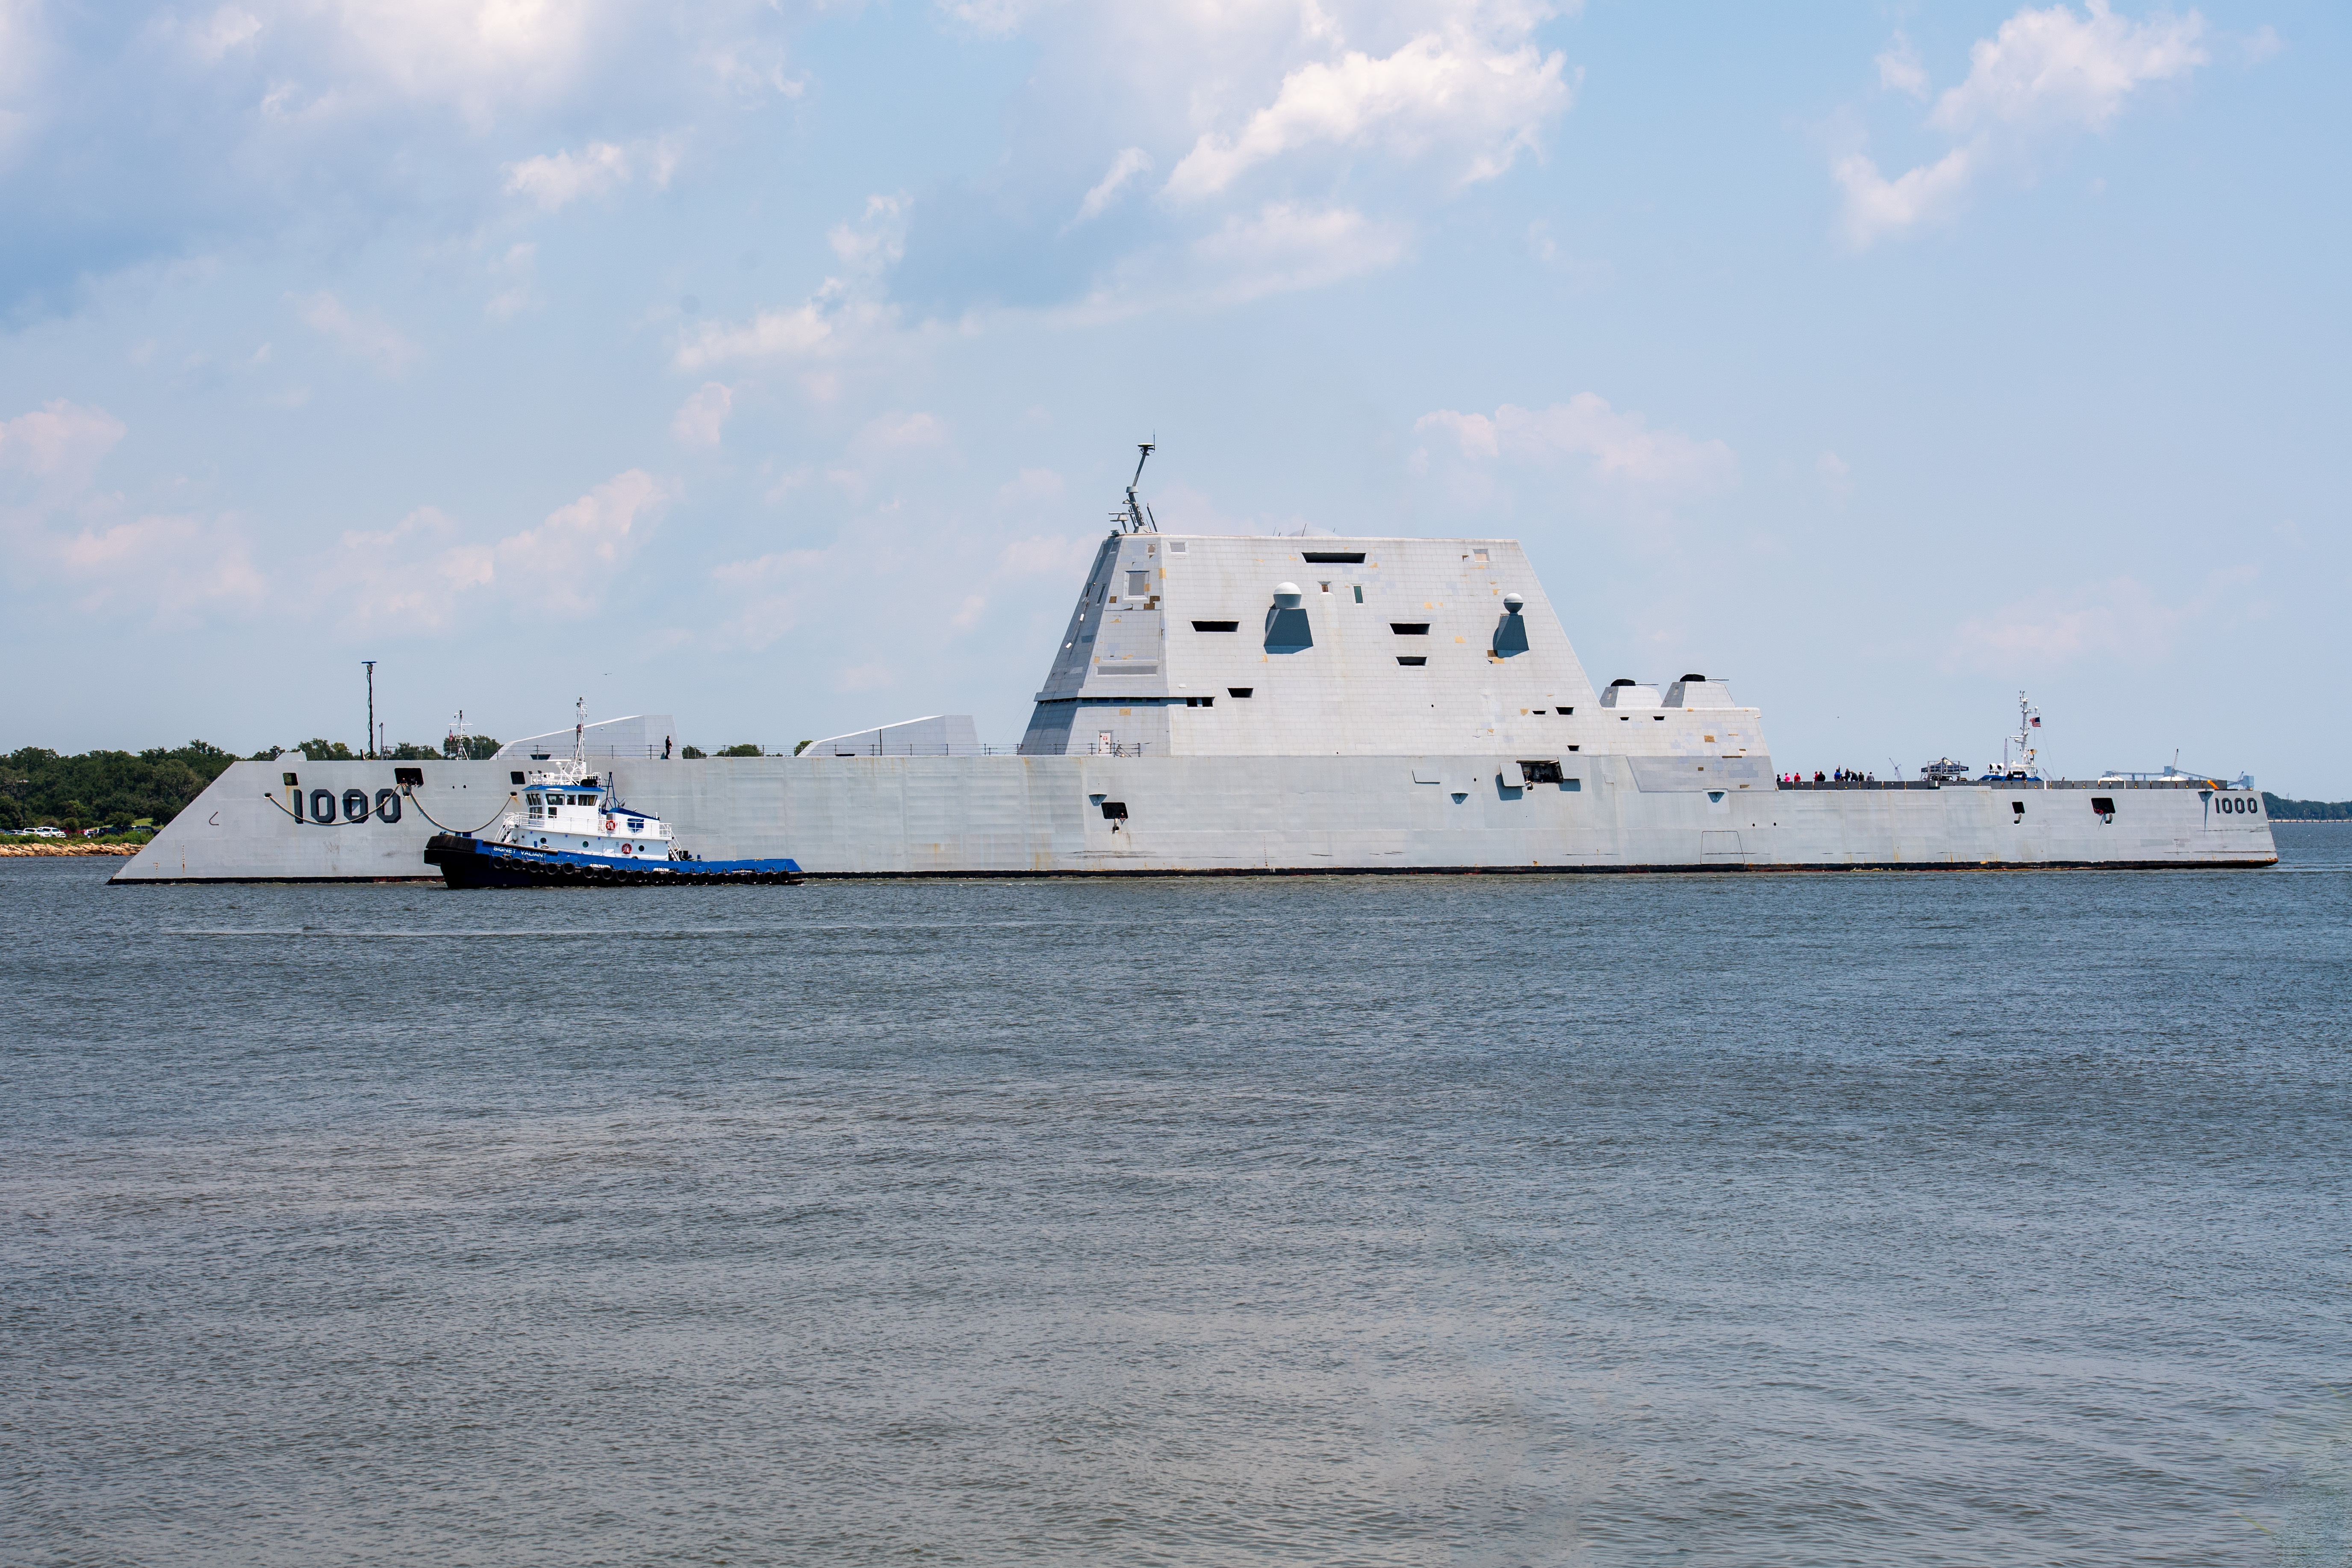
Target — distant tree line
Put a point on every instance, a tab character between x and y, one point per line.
101	789
2306	810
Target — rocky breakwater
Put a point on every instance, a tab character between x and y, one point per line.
69	847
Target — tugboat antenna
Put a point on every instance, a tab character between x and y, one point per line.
1136	520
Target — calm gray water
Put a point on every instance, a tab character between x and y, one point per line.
1929	1219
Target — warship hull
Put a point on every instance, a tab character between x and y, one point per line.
1046	815
1229	705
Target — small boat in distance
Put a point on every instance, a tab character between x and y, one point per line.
566	828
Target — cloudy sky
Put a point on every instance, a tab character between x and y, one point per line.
777	366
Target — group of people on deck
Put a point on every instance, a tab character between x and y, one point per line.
1840	776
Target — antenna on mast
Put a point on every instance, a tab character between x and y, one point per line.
1135	520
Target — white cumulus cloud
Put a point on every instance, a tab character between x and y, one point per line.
361	335
60	443
846	310
1616	444
555	180
1899	69
1286	246
2041	73
1134	161
415	573
1487	103
703	417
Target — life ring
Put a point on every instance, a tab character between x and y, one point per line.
627	851
608	824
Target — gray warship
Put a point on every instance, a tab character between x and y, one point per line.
1242	704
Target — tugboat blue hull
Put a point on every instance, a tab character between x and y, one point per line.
468	862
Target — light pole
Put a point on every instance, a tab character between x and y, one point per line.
368	745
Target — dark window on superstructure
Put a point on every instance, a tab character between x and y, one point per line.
1409	628
1216	625
1538	773
1360	593
1199	702
1332	557
1568	709
1239	690
1412	658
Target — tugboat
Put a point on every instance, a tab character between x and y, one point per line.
566	828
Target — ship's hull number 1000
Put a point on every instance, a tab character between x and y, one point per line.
2237	805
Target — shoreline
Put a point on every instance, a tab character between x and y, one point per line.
43	850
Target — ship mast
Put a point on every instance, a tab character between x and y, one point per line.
2029	719
1138	518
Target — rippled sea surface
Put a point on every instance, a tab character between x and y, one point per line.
1855	1219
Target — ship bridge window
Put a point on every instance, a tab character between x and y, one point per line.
1332	557
1216	625
530	800
1239	690
1409	628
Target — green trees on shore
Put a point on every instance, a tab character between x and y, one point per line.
97	788
100	789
